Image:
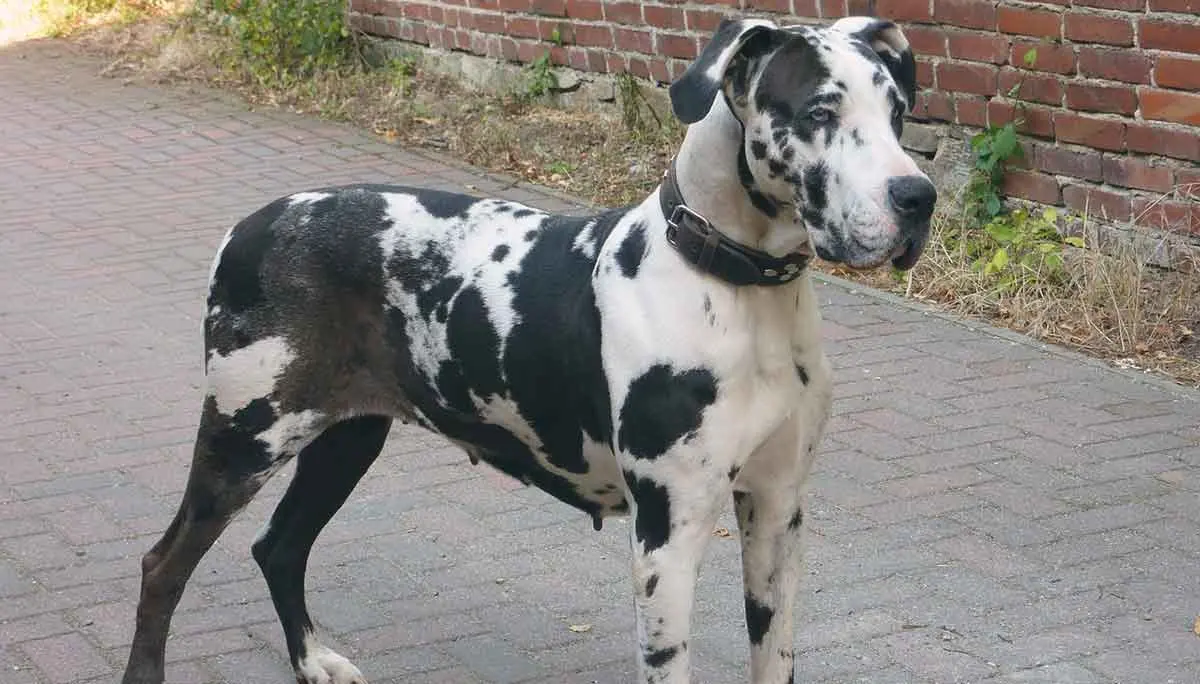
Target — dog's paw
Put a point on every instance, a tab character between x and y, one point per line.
321	665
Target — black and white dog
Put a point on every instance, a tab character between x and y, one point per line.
648	361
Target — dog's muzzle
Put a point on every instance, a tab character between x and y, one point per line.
912	199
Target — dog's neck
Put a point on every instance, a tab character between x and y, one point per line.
707	169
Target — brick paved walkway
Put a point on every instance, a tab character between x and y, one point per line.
984	508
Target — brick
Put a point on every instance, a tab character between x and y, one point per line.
1048	57
976	14
1034	87
782	6
924	73
1168	34
623	12
926	40
934	106
664	17
1061	161
681	47
905	10
1177	72
1097	202
830	9
585	10
962	77
1101	98
705	21
1136	173
1029	22
1169	142
1031	185
1104	134
521	27
1169	215
970	110
978	47
1188	6
634	41
1094	28
550	8
1037	121
65	658
1166	105
1130	66
593	36
1127	5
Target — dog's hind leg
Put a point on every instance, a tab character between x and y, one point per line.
240	443
327	470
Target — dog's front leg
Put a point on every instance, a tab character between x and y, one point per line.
672	523
769	501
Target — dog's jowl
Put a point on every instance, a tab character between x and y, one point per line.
654	361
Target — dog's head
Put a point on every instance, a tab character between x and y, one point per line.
821	112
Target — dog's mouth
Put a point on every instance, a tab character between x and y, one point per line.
906	255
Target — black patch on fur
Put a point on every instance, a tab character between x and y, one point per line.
744	506
445	205
802	373
653	519
733	473
788	89
438	295
232	444
651	585
662	407
796	520
255	417
759	149
523	212
499	253
530	235
475	344
758	619
552	357
816	182
692	94
632	250
237	283
661	656
758	198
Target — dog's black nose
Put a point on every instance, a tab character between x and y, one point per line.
912	197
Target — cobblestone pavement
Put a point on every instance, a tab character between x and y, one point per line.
984	508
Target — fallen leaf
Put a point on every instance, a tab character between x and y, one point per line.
722	532
579	629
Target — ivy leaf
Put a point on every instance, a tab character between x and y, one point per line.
1030	57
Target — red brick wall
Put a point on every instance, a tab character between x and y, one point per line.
1111	105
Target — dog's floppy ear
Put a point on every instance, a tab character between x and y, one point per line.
888	41
692	94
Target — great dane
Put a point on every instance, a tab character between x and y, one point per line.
650	361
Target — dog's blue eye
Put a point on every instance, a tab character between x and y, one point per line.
819	114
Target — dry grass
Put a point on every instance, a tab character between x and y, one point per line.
1109	305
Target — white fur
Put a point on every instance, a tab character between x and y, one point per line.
239	377
321	665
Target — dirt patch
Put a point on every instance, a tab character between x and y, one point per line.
1111	306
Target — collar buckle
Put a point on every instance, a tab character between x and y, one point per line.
678	214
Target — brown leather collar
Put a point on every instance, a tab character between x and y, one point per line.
711	251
